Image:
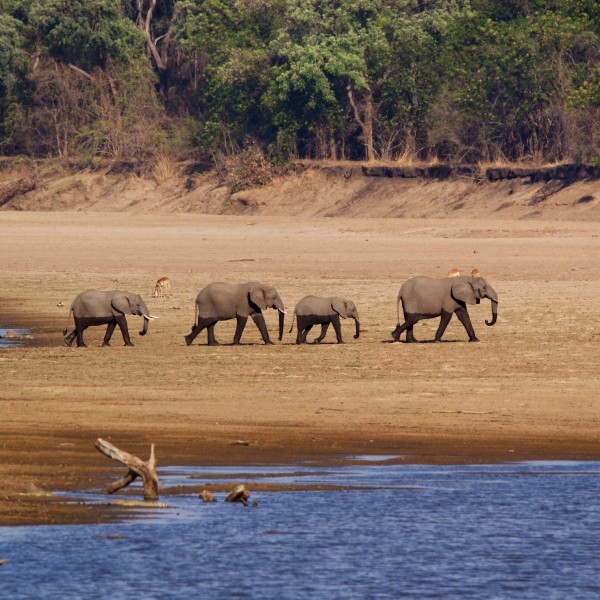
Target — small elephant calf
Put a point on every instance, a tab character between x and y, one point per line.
313	310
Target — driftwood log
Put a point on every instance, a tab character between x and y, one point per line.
207	496
239	494
137	468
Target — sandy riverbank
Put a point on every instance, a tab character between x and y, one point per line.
529	389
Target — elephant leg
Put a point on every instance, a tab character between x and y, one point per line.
202	324
122	323
335	320
410	336
324	328
408	324
262	327
80	327
303	327
305	331
444	320
463	317
69	339
241	323
212	341
109	332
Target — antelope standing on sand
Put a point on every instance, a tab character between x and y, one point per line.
456	273
162	288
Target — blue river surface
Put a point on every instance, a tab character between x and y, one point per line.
13	337
386	530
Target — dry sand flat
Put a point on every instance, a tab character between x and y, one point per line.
529	389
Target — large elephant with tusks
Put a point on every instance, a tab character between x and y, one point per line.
94	307
223	301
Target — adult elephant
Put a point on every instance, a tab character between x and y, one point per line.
94	307
223	301
314	310
426	298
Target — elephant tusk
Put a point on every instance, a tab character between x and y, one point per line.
283	312
149	317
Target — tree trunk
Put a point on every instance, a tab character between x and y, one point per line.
137	468
363	115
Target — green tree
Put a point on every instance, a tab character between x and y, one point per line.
86	33
363	56
516	67
13	66
229	41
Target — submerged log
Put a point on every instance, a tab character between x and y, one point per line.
137	468
207	496
239	494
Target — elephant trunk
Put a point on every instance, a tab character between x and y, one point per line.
144	331
494	314
357	329
281	320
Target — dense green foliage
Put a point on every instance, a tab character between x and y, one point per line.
455	80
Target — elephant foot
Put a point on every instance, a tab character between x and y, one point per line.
437	340
341	342
212	343
82	345
105	344
396	335
128	344
187	339
68	342
317	341
473	339
269	343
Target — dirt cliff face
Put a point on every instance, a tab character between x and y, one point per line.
309	189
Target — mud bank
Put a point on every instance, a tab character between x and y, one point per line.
311	189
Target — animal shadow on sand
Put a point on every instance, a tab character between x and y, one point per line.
425	342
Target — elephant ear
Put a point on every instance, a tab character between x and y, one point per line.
463	291
257	297
121	303
339	306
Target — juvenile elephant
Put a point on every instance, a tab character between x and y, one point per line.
224	301
426	298
313	310
99	308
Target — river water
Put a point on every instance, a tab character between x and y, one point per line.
386	530
13	337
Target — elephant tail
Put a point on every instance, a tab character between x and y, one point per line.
398	307
67	323
293	317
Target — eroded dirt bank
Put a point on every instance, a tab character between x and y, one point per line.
527	390
310	189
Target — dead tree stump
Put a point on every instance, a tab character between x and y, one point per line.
137	468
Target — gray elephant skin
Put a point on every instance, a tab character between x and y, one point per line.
224	301
94	307
315	310
426	298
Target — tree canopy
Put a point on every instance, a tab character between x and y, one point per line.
456	80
